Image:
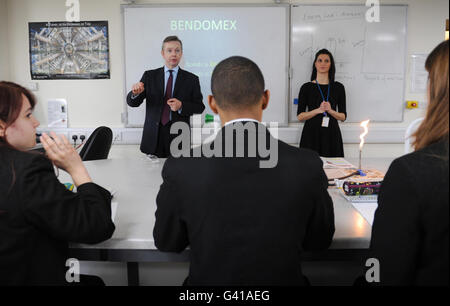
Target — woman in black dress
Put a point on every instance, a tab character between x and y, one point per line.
38	215
321	103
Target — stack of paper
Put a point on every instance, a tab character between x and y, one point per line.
336	163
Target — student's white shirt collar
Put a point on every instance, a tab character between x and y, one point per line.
240	119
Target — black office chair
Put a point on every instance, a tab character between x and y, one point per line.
98	144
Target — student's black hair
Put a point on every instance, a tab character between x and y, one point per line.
237	82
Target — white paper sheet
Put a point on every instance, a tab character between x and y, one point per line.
419	75
336	163
366	210
57	113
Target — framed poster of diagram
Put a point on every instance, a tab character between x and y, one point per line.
69	50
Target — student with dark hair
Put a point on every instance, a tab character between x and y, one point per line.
38	215
321	103
246	222
171	94
410	230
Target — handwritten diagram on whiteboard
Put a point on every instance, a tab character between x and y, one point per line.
369	57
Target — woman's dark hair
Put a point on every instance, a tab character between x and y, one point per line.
332	70
10	106
11	103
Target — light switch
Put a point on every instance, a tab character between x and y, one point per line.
33	86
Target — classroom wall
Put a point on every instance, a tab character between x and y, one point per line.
102	101
4	62
89	101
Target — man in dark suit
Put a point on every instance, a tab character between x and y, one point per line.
246	224
171	93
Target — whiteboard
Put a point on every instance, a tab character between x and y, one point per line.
369	57
209	35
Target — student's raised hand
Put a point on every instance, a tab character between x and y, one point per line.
64	156
137	88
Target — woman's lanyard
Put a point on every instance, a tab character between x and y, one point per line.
323	97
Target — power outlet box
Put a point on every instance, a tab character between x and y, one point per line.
117	137
78	133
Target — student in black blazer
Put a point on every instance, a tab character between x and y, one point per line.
246	219
163	106
38	215
410	231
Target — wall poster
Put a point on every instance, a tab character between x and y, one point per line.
69	50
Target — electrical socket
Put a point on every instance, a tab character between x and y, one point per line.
117	137
78	134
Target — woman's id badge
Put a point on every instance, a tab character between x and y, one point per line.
325	121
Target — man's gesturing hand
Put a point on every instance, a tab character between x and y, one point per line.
137	88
